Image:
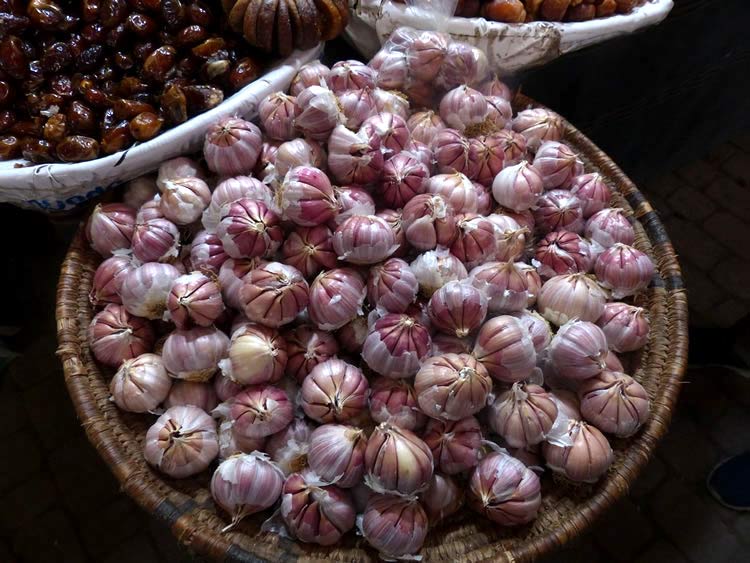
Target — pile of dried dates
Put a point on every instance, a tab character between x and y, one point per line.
519	11
81	79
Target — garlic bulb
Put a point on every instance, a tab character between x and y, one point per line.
454	153
538	327
610	226
140	384
232	146
392	285
257	354
518	187
306	348
298	152
288	448
625	326
145	289
334	391
194	354
582	455
523	415
457	308
424	126
231	274
396	345
245	484
614	402
508	286
463	107
435	268
115	335
183	200
395	526
276	113
336	454
593	192
452	386
443	498
624	269
314	73
563	252
428	221
336	298
397	461
505	348
156	240
404	176
317	112
207	253
194	393
232	189
108	278
182	442
505	490
395	401
350	75
578	350
455	444
258	411
194	299
572	296
558	210
249	229
273	294
306	197
537	126
309	249
110	227
364	240
313	512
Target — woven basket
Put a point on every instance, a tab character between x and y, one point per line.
567	510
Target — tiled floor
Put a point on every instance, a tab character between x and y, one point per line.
60	503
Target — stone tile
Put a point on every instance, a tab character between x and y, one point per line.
170	550
623	531
730	431
687	450
741	527
51	413
728	313
738	167
731	231
691	204
661	206
138	548
697	173
721	154
662	552
13	416
701	398
732	275
582	550
19	446
26	502
735	386
662	186
693	526
5	553
693	243
50	537
742	141
110	525
703	294
730	194
37	364
650	478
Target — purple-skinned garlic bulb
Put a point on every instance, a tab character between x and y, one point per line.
455	444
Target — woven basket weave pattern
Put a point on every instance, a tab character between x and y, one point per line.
567	509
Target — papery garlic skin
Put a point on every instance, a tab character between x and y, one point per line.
397	461
232	146
288	448
435	268
314	73
538	327
110	227
306	348
156	240
578	350
183	200
463	64
207	254
625	326
396	527
334	391
225	388
194	299
394	220
452	386
392	69
298	152
318	112
194	393
245	484
389	101
258	411
463	107
115	335
145	289
336	298
392	285
457	308
443	498
424	126
256	354
395	401
523	415
313	512
336	454
182	442
624	269
518	187
396	346
505	348
364	240
309	249
273	294
276	113
404	176
615	403
571	297
505	490
232	189
584	458
140	384
455	444
476	242
194	354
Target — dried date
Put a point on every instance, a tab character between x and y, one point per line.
160	63
145	126
116	138
113	12
7	119
173	13
141	24
38	150
10	147
56	127
128	109
174	104
77	148
202	98
81	119
12	58
245	71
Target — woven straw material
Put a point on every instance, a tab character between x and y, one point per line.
567	510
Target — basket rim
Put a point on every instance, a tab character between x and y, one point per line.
186	517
